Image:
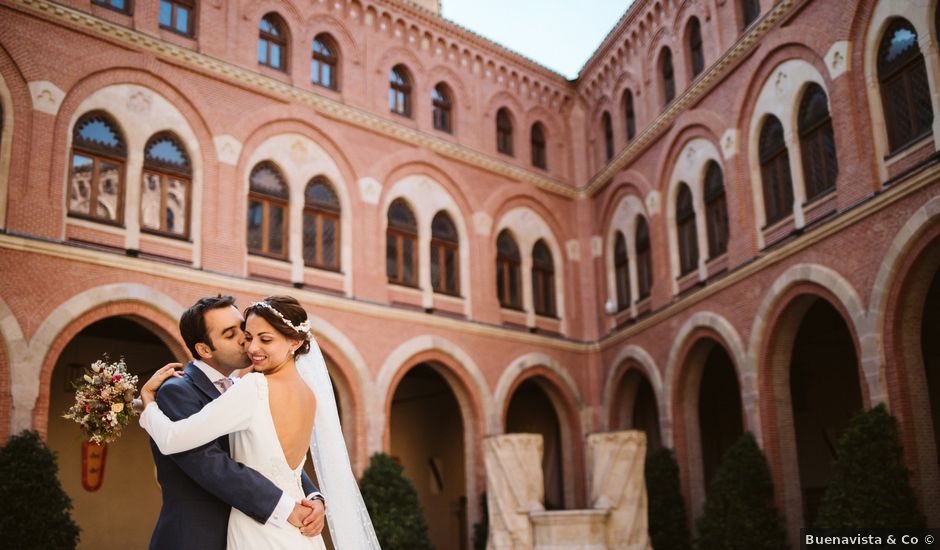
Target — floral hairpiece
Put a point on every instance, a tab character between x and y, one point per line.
302	329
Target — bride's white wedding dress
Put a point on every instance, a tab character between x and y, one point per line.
244	412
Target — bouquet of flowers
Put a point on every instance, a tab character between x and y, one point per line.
103	401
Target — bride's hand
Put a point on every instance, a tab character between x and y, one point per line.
148	392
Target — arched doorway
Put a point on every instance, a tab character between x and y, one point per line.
708	403
824	394
531	411
427	439
721	422
129	495
635	407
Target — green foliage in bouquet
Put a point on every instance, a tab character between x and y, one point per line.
34	510
103	401
739	507
393	506
668	527
870	486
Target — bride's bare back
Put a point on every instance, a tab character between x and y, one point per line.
293	409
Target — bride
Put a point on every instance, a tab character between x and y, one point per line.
274	415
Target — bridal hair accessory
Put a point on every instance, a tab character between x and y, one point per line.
302	328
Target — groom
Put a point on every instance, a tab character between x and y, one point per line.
201	486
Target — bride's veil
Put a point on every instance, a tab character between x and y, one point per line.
346	513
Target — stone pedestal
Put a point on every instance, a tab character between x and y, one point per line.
570	529
616	487
617	483
514	488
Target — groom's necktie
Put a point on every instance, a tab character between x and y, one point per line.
223	384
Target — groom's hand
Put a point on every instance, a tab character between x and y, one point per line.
313	523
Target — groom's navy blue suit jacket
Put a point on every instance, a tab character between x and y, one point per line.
201	486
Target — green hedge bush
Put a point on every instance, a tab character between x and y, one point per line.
393	506
35	513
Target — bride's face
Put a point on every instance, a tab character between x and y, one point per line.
268	349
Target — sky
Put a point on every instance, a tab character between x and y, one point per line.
560	34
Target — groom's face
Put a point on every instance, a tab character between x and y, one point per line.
224	328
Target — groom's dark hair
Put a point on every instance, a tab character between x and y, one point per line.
193	321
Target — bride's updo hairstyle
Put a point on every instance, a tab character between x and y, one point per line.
287	316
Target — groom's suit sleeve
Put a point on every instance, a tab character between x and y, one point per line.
211	467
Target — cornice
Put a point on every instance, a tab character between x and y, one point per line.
692	95
255	81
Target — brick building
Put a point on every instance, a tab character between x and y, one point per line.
729	221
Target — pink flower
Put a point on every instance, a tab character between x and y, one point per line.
116	378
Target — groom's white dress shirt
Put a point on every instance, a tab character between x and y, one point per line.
284	506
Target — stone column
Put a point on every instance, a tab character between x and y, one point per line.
514	487
616	475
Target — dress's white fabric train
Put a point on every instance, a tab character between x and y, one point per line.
347	516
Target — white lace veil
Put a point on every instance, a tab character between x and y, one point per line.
346	513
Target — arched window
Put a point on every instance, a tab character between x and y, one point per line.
543	279
696	52
321	225
96	182
267	211
686	230
629	114
775	171
669	78
503	131
608	136
441	106
750	10
817	143
177	16
323	61
716	211
622	272
401	250
445	255
905	92
539	158
508	280
272	42
166	187
399	91
644	258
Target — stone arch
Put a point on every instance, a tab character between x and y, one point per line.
563	393
779	96
14	351
689	168
528	228
156	310
728	336
300	159
6	145
427	197
921	16
846	298
621	363
141	112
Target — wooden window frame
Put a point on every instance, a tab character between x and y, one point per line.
442	112
716	212
268	39
750	12
686	231
775	169
622	272
504	131
537	144
128	6
608	127
320	213
443	246
668	75
629	113
506	265
400	235
175	7
400	91
543	283
99	154
696	48
902	134
644	260
814	134
318	59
